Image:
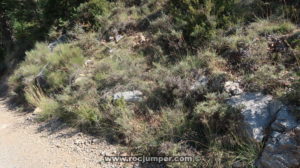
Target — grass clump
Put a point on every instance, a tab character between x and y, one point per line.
266	27
47	107
267	78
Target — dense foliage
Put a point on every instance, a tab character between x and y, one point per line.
161	48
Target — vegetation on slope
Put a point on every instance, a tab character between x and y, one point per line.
165	47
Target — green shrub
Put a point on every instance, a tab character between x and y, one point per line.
87	13
193	18
49	108
55	67
196	17
214	115
57	79
87	114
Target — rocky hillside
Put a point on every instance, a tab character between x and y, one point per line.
213	79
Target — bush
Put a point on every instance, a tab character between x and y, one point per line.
196	20
215	116
49	108
54	68
87	13
192	18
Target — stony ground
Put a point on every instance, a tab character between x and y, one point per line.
27	144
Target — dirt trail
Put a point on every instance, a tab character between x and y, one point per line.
23	148
29	145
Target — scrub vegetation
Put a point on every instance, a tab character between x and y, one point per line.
161	48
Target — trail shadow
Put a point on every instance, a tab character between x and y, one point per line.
4	95
3	87
55	126
9	100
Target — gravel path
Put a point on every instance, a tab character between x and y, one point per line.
26	144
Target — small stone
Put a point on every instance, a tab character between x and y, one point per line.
233	88
110	51
142	38
95	141
201	81
102	153
89	63
78	142
118	38
111	38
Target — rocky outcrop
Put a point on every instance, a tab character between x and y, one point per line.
270	120
129	96
258	111
282	149
285	121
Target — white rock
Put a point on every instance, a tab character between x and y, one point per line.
78	142
283	146
118	38
89	63
142	38
261	113
111	51
233	88
130	96
111	38
256	113
201	81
